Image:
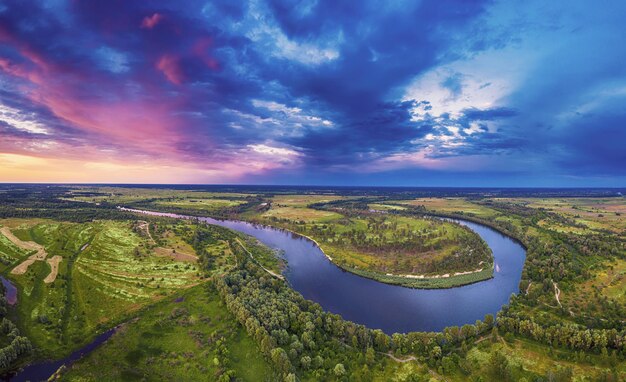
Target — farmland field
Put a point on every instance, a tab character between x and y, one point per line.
201	204
125	195
454	205
587	213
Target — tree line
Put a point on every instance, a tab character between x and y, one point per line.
16	347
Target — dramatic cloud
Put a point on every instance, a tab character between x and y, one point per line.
283	91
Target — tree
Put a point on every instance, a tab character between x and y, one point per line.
494	334
370	356
339	370
499	365
488	320
381	340
305	362
448	365
281	360
435	353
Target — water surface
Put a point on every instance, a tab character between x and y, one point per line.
10	291
391	308
41	371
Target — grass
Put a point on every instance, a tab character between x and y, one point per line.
176	339
295	207
614	281
450	205
384	247
207	205
432	233
300	214
386	207
96	287
121	195
528	356
593	213
526	359
586	299
607	283
124	273
304	200
261	254
10	254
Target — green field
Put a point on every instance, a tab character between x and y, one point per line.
383	247
587	214
10	254
449	205
105	274
386	247
190	336
513	359
121	195
295	207
201	204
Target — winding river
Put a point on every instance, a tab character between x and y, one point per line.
391	308
380	306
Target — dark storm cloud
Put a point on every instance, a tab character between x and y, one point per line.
386	129
326	80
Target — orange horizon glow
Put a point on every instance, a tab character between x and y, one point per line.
18	168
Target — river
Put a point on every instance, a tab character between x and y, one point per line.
10	291
377	305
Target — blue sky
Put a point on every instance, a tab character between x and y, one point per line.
415	93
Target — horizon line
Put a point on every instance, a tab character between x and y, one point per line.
304	185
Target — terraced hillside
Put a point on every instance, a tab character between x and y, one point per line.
97	274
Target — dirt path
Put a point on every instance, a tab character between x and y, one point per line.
54	264
557	293
252	257
144	225
528	287
27	245
389	354
401	360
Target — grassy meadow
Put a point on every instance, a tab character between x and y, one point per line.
587	214
494	358
386	247
208	205
107	271
188	336
123	195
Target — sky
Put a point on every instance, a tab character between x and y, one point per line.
312	92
